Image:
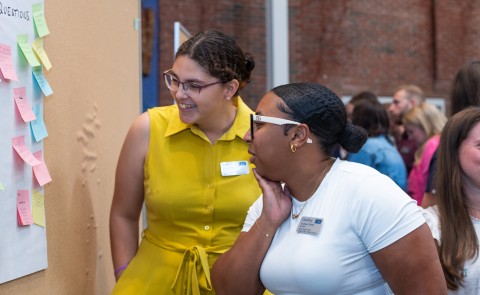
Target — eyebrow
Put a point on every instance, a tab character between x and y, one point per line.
187	80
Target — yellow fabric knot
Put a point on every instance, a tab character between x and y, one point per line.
193	273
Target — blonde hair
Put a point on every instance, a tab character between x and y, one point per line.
428	118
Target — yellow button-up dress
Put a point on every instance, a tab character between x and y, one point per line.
194	214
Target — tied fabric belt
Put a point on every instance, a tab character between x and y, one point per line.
193	273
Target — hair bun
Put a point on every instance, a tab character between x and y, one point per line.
353	138
249	65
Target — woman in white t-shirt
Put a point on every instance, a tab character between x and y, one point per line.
323	225
455	220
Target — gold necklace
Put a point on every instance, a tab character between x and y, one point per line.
322	175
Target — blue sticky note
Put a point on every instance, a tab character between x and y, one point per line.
42	81
38	127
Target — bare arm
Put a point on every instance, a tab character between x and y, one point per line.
238	270
428	200
411	264
128	194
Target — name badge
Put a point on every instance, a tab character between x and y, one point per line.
234	168
309	226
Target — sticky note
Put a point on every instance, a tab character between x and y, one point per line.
38	208
40	171
38	48
6	63
18	144
38	127
39	20
21	100
22	41
24	211
2	187
42	81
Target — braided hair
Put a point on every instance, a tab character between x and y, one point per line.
324	113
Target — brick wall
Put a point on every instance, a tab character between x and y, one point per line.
244	20
346	45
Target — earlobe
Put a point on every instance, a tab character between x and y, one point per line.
231	89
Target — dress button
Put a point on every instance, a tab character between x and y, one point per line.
210	185
207	227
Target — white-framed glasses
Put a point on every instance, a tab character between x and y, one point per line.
272	120
191	88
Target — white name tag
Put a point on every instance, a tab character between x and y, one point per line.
234	168
309	225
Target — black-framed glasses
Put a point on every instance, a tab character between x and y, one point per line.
272	120
190	88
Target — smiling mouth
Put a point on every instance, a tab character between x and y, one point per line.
186	106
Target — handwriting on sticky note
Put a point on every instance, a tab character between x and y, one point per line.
41	171
22	150
21	100
38	48
24	212
6	63
38	127
38	208
42	81
39	20
22	41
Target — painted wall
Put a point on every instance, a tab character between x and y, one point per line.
94	49
151	81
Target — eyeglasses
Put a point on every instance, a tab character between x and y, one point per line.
272	120
190	88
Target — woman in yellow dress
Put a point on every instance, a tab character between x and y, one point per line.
188	164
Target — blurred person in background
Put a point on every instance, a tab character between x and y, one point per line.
378	151
423	124
405	98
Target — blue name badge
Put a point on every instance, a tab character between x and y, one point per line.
234	168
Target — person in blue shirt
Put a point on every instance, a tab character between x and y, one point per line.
378	151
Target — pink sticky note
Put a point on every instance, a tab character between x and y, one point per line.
40	171
6	63
24	211
18	144
20	96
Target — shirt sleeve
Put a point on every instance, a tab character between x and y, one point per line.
253	214
432	217
383	213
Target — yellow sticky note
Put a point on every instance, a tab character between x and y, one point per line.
38	208
22	41
38	48
39	20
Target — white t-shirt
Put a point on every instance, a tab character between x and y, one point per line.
472	267
361	211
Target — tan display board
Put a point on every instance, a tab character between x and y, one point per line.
94	50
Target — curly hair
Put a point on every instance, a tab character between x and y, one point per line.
220	56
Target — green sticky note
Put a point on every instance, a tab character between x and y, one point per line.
22	41
2	188
39	20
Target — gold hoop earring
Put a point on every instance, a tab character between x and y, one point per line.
293	147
